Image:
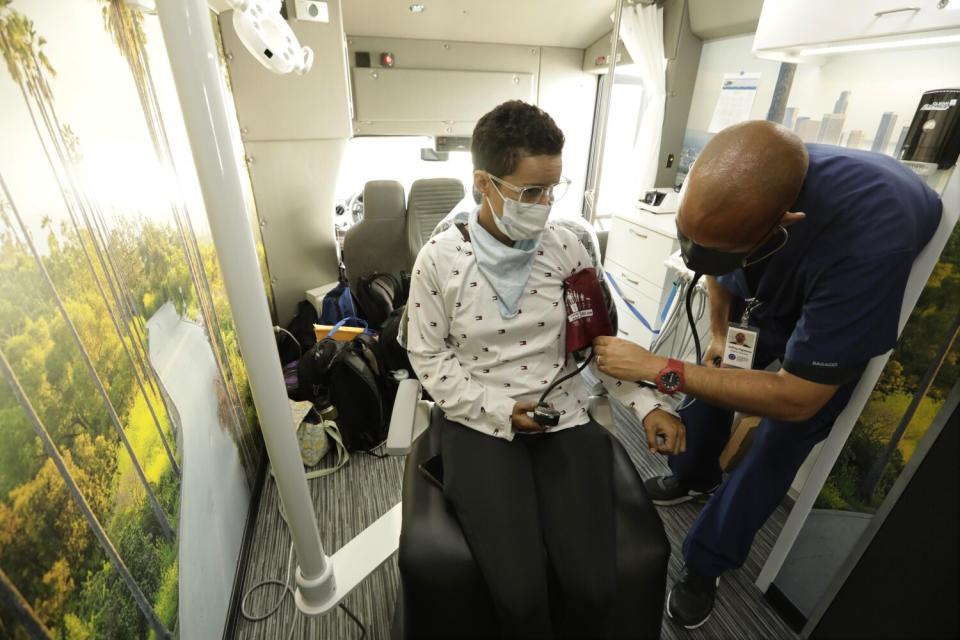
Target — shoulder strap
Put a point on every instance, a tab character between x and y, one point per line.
370	345
343	456
463	231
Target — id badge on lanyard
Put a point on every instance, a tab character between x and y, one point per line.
740	347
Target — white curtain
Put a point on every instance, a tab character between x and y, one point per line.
641	30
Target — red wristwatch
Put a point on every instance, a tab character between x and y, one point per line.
670	378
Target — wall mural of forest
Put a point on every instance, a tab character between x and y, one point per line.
124	403
920	374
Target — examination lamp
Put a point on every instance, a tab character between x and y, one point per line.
268	37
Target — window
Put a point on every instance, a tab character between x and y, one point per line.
617	185
396	158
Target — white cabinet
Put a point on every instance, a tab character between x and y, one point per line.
789	27
638	245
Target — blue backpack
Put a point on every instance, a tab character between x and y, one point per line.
338	305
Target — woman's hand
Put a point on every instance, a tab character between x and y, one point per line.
523	422
625	360
665	433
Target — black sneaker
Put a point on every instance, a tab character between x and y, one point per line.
667	490
691	598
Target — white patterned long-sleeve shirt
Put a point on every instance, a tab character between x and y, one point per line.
477	364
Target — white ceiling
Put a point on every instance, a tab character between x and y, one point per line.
554	23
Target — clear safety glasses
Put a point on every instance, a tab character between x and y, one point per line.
535	194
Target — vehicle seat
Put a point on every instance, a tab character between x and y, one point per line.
430	201
442	593
378	242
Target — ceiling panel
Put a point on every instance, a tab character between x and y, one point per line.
554	23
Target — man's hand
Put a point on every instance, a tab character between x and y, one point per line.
665	433
713	356
522	422
625	360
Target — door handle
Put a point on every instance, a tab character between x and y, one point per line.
880	14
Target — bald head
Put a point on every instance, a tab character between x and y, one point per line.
741	185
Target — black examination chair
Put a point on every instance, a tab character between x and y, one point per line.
442	594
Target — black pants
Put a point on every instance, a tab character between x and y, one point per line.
538	505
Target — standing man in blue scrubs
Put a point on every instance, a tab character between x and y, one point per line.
807	249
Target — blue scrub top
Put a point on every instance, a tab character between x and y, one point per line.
832	296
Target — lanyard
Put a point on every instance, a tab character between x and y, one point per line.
752	304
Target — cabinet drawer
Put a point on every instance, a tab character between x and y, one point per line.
645	306
640	250
631	280
629	328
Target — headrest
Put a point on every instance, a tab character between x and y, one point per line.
383	200
437	196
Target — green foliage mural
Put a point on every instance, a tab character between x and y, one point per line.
80	281
920	373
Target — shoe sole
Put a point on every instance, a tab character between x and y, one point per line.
689	627
691	495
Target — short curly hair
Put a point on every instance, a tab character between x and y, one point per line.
510	132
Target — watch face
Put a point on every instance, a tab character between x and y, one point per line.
670	380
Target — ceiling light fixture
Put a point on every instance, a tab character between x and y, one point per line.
418	7
888	44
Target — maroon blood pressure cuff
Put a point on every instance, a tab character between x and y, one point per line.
587	316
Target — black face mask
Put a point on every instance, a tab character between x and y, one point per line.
713	262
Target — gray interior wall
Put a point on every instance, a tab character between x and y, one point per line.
681	78
602	48
294	129
294	185
450	83
453	83
711	19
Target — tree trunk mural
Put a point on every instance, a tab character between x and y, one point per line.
81	502
101	390
26	66
125	27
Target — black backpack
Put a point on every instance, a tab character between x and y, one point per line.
363	391
313	371
301	328
394	354
353	377
378	294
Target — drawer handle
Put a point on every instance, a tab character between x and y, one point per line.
628	278
624	332
880	14
636	233
628	300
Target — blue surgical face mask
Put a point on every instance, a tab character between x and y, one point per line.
520	220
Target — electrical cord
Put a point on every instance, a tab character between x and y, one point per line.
363	629
373	451
287	591
672	321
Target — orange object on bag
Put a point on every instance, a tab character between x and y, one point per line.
343	334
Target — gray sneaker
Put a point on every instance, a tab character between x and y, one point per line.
667	491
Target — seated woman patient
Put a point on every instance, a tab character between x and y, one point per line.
486	336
